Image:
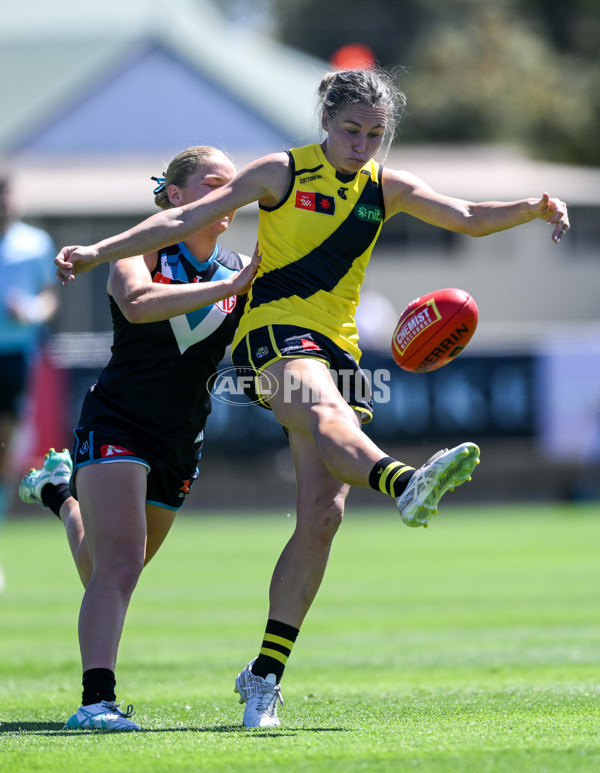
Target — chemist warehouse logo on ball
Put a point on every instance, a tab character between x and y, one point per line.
245	386
418	321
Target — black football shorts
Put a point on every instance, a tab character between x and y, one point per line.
261	347
167	484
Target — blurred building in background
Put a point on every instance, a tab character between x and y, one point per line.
98	97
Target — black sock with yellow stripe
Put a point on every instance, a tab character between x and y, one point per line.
276	648
390	476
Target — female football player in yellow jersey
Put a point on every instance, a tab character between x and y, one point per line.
321	208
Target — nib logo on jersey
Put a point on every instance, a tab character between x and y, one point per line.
368	213
108	450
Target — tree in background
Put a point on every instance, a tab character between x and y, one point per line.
525	72
492	74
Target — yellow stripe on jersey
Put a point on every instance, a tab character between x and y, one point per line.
315	247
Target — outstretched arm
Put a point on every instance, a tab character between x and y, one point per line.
265	180
405	192
142	300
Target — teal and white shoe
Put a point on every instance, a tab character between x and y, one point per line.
443	472
57	468
106	716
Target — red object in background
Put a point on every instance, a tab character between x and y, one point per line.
46	417
354	56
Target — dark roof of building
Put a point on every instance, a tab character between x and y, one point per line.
144	77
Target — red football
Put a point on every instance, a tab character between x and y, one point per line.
434	329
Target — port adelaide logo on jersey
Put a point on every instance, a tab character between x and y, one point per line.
315	202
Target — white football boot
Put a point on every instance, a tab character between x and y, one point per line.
443	472
106	716
57	468
260	696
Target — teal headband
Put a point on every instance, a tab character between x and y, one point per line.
161	184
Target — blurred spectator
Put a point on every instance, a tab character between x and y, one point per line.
27	302
376	319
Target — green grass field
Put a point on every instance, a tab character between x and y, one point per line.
473	645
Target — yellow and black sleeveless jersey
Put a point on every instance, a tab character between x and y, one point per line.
315	246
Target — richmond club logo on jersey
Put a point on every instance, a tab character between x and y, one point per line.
315	202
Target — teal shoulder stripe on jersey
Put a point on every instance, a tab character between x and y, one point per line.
196	317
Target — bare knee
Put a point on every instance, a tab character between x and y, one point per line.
333	513
320	516
120	572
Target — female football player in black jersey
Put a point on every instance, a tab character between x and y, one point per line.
140	432
321	208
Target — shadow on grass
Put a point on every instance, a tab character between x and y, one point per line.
58	729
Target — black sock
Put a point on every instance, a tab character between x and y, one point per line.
54	495
390	476
98	685
276	648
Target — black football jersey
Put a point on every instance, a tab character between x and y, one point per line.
156	386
